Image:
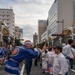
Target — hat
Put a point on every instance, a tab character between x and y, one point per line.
28	42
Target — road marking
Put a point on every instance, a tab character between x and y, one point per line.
22	70
72	70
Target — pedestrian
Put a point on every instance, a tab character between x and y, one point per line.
28	61
68	52
50	59
9	52
17	56
36	48
44	61
60	65
1	56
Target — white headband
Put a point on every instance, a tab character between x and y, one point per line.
28	43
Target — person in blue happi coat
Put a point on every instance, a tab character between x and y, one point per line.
1	56
17	56
28	61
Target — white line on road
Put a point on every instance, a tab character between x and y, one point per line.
22	70
72	70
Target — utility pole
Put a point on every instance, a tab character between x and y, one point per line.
73	26
62	28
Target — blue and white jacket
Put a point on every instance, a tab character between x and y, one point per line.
17	56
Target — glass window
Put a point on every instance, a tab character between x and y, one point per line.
3	15
7	15
7	19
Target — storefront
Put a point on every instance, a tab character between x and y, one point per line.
67	35
5	36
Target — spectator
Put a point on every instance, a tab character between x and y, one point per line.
28	61
60	66
68	52
1	56
36	48
50	59
44	60
17	56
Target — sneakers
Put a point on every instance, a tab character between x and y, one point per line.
46	71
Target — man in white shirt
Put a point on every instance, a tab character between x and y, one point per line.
68	52
60	65
37	49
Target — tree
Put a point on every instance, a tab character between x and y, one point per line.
41	44
17	42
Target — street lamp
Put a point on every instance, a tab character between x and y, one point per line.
73	26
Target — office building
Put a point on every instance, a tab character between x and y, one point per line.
7	15
35	39
17	32
21	34
61	17
44	36
42	25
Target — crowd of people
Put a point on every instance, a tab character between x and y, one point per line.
4	53
55	60
59	60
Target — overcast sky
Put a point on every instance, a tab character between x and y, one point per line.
27	13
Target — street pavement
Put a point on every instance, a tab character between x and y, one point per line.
35	71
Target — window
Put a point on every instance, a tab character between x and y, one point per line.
3	15
7	23
7	19
7	15
3	19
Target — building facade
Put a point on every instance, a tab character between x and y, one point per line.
44	36
17	34
42	26
21	34
61	17
4	34
35	39
7	15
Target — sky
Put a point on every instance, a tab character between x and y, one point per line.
27	13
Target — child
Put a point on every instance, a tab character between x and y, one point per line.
50	58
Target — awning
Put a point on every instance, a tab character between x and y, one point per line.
5	31
66	32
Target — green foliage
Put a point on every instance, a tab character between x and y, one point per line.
41	44
17	42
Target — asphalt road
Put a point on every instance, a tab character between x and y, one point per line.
35	71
